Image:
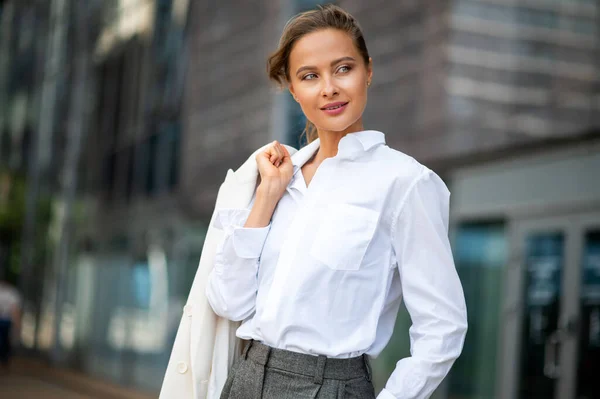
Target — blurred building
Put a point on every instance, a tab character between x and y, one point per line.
126	114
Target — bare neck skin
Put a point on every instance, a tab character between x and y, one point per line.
330	140
328	148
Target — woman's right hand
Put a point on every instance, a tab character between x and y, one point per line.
275	169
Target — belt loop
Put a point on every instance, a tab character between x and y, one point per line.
367	366
320	369
260	378
247	349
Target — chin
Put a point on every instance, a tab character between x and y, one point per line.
337	126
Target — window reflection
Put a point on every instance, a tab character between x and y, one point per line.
480	252
138	322
589	331
548	18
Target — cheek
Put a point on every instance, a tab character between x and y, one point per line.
354	90
358	88
309	99
309	94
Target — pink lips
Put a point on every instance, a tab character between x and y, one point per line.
335	108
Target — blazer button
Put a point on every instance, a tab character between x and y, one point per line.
187	309
182	367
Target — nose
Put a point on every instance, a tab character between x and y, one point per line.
329	88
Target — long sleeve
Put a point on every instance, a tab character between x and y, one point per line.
232	284
432	291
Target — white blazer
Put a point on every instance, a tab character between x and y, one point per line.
206	345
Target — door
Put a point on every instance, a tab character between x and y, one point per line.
588	348
551	336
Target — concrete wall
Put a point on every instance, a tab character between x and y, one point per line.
228	100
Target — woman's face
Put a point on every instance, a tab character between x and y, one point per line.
328	78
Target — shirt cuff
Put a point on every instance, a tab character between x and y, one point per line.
228	219
247	241
385	394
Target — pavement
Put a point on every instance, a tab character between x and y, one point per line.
21	387
34	379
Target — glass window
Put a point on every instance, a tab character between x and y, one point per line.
526	48
539	18
509	14
130	153
544	259
151	165
462	107
486	11
589	331
174	142
140	284
480	252
580	25
116	113
109	174
141	169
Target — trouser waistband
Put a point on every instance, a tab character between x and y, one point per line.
319	367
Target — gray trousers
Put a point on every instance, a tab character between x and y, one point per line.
263	372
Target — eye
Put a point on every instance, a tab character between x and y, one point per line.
309	76
344	68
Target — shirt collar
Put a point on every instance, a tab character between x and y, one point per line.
358	142
349	146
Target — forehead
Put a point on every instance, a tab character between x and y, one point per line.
321	47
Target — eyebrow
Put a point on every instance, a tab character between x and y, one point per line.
303	68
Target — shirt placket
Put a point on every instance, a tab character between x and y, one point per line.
297	189
321	180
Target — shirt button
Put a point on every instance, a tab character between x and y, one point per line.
187	309
182	367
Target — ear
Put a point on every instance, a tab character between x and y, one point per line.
291	89
370	70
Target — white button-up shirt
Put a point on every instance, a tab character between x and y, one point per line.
329	272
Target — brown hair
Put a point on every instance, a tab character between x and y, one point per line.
322	17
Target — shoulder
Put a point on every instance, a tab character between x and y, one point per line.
411	177
405	168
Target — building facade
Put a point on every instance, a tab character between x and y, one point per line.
500	98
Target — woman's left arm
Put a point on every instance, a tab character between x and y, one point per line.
432	291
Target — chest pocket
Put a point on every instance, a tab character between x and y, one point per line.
343	236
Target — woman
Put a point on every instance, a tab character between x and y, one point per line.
334	237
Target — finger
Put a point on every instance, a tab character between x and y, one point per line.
286	153
272	151
287	158
284	150
266	155
272	147
279	150
281	155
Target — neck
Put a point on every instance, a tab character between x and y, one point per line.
329	140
